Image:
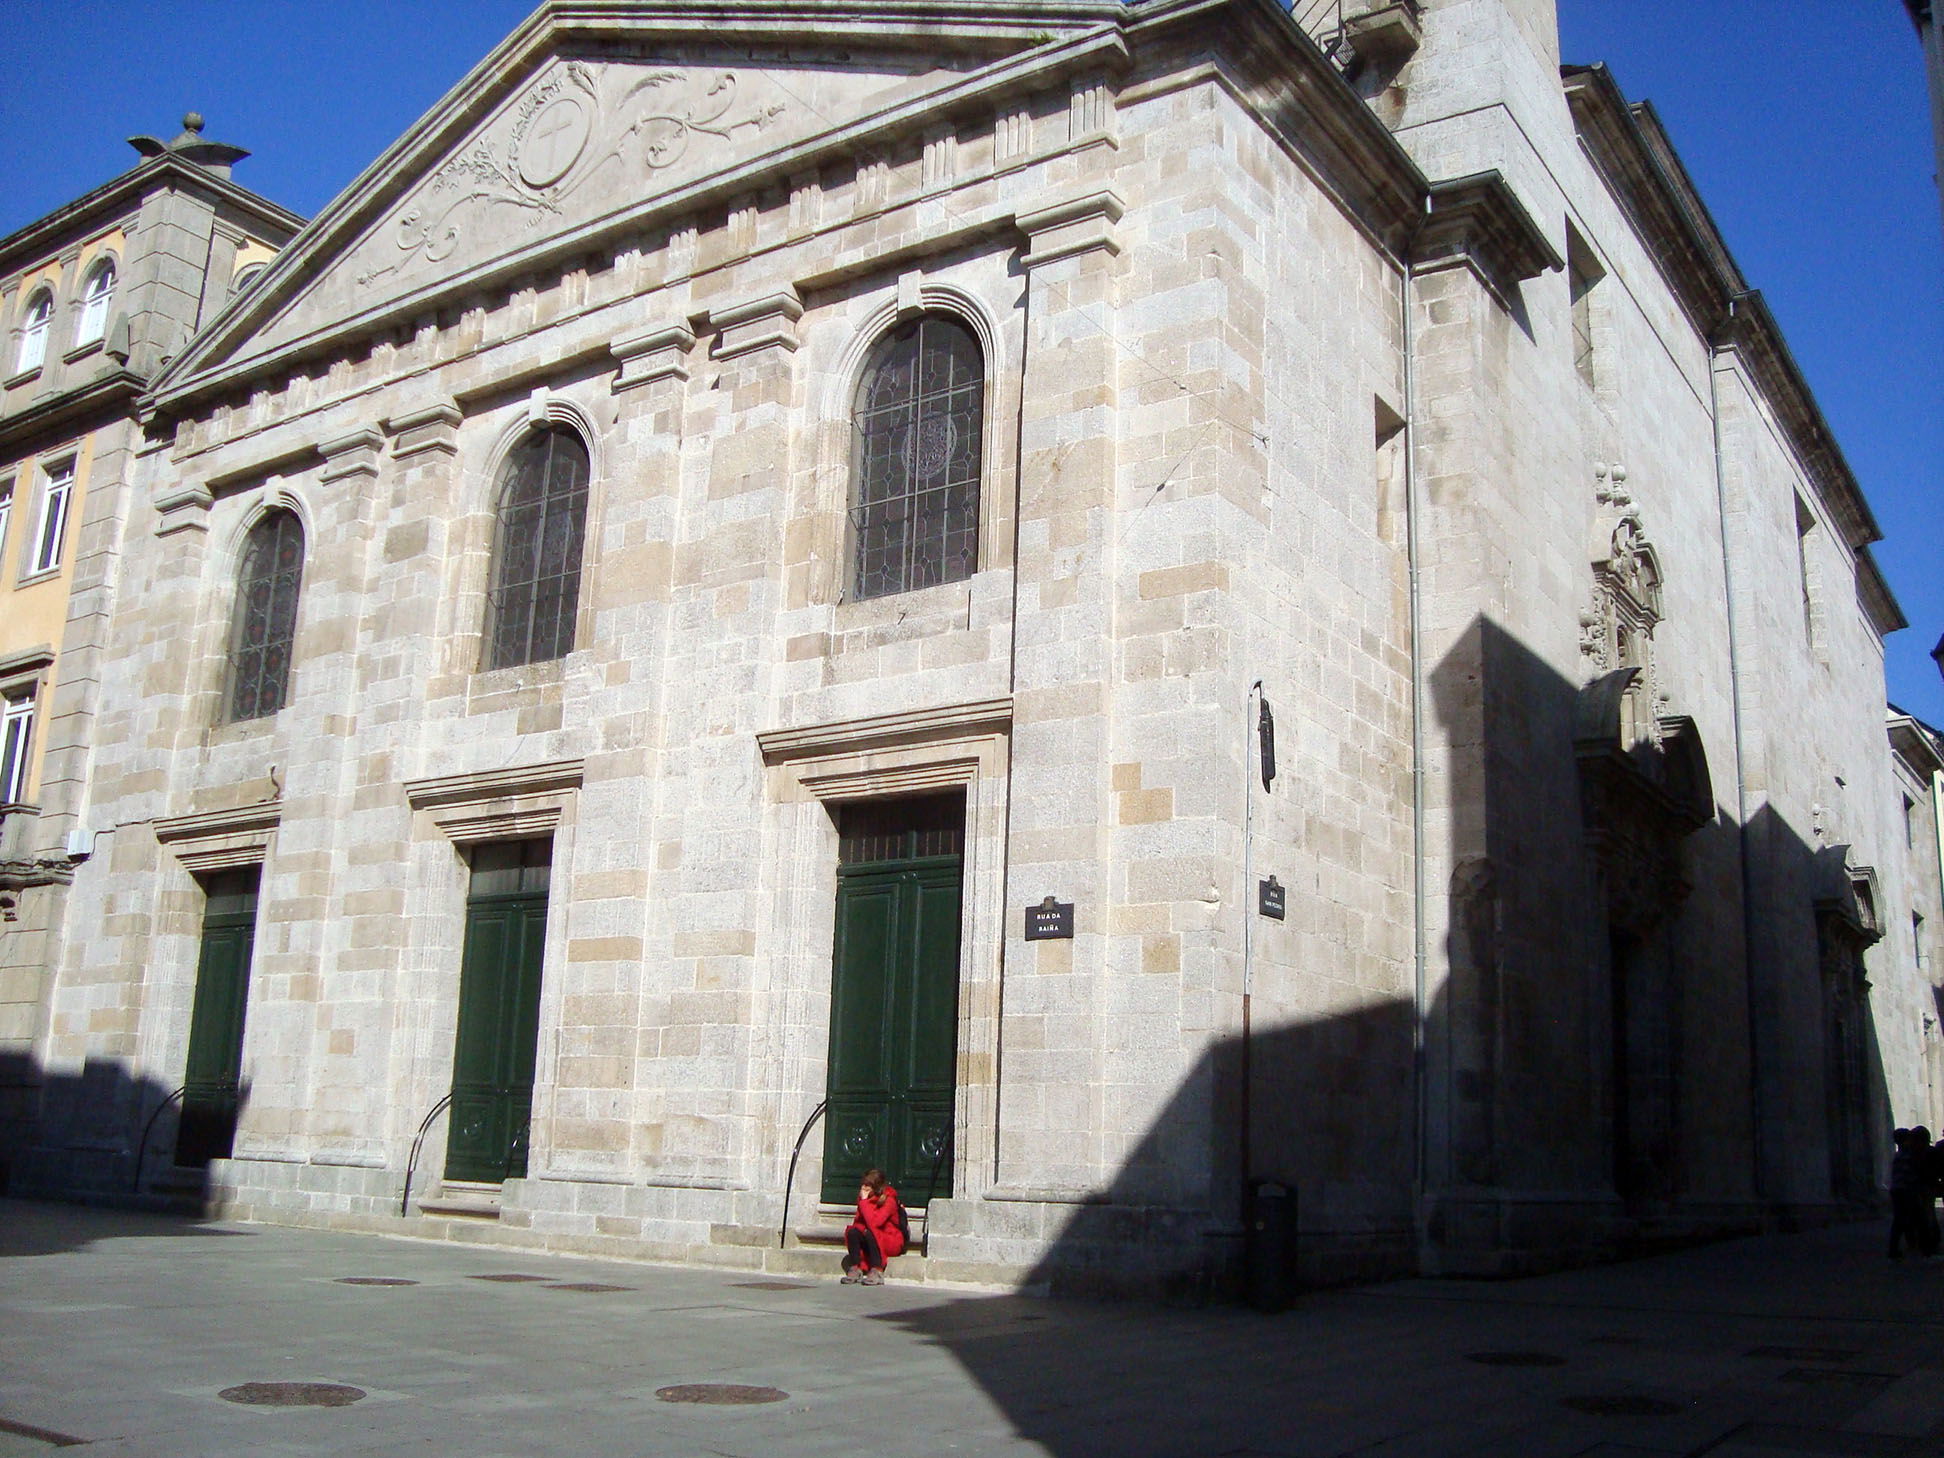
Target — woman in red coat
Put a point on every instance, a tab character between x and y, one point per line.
877	1234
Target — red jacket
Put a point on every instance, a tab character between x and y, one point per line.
881	1218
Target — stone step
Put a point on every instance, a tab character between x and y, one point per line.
827	1227
823	1261
462	1200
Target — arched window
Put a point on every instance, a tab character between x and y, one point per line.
542	509
266	616
248	274
33	333
96	296
917	421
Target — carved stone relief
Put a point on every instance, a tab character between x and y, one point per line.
566	127
1617	628
1644	780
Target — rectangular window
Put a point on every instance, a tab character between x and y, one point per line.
16	748
53	518
1583	271
1910	821
6	513
1805	566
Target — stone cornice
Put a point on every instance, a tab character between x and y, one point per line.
29	660
463	789
209	824
1275	69
986	716
113	393
124	194
1879	603
1481	219
1915	743
1049	39
1630	150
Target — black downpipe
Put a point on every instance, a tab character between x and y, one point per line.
790	1179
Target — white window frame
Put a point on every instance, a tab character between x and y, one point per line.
57	497
35	325
16	746
97	296
6	512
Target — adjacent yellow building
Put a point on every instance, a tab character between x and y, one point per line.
94	299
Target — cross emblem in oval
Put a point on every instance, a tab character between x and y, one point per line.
554	142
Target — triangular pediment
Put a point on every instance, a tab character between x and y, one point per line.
579	125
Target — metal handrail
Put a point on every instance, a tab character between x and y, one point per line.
782	1234
141	1149
938	1161
424	1128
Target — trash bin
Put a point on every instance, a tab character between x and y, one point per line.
1269	1246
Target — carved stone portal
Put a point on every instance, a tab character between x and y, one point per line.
1848	922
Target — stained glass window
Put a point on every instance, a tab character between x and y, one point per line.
537	555
266	616
917	422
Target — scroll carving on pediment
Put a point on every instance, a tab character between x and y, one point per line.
565	131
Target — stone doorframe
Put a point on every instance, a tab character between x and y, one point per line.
522	802
812	770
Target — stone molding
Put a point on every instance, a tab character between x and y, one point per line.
1479	220
218	840
1072	226
28	661
1633	157
183	509
653	355
433	428
355	453
521	803
768	322
882	731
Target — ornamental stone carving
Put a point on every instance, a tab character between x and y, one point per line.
1644	782
563	134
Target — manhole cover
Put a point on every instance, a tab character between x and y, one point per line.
586	1286
769	1286
511	1278
1515	1359
292	1394
374	1281
1803	1354
1621	1404
720	1394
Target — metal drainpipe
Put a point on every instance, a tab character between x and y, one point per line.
1420	1078
1249	762
1715	352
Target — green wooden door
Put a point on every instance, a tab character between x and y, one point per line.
499	1013
212	1079
894	1000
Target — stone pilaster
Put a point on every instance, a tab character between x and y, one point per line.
1051	1030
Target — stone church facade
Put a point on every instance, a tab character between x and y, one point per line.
720	616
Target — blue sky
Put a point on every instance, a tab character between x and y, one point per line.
1803	122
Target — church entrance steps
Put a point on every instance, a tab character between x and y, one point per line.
827	1226
463	1200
